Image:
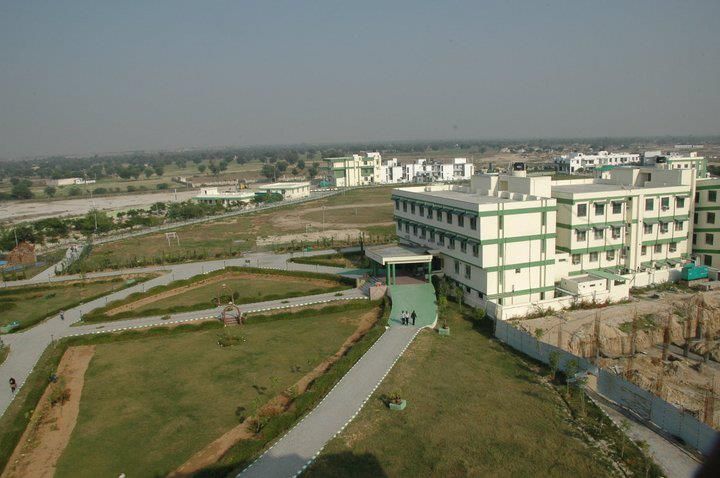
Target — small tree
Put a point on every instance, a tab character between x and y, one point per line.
50	191
571	368
624	428
538	336
554	362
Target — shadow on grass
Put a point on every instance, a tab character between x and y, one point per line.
347	464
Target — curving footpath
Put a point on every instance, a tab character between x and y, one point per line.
27	346
294	452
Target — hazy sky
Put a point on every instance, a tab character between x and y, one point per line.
96	75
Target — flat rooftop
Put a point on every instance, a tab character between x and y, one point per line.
470	198
397	254
283	185
592	188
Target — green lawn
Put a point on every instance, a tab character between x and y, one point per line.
245	289
231	236
474	409
354	215
149	404
350	260
31	304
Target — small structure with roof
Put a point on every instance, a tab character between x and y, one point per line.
286	190
226	198
413	263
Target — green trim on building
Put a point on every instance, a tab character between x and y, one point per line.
706	229
523	265
587	250
593	224
663	241
707	251
472	212
707	208
520	292
709	186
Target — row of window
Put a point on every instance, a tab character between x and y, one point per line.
599	233
709	218
711	196
610	255
617	206
438	213
709	239
431	236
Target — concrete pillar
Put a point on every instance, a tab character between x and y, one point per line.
428	265
387	274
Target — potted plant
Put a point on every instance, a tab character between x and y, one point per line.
444	330
396	402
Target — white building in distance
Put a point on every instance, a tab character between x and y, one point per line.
425	171
357	170
68	181
286	190
581	162
226	198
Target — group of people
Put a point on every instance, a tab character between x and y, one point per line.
406	317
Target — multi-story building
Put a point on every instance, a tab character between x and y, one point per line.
226	198
286	190
636	219
706	222
357	170
675	160
425	171
514	243
581	162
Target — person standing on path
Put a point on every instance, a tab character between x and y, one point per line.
62	315
413	316
13	385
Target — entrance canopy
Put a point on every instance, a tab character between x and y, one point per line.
399	254
391	256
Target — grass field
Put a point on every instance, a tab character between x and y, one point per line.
232	236
31	304
149	404
353	215
243	286
350	260
474	409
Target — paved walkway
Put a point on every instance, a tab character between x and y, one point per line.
27	346
295	451
675	462
417	297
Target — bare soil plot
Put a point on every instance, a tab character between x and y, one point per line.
50	427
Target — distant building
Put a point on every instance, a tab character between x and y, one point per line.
425	171
287	190
226	198
357	170
68	181
675	160
580	162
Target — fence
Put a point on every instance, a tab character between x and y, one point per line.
641	402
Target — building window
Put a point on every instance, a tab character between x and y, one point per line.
461	220
599	209
679	202
473	223
430	213
457	267
582	210
643	251
712	196
439	215
694	239
432	236
695	218
709	239
441	239
697	196
647	228
665	203
448	216
657	249
581	235
451	243
672	247
599	233
397	204
399	223
421	211
616	233
707	260
407	228
610	255
649	204
576	259
593	257
412	208
404	206
710	218
468	272
463	246
476	250
616	207
678	225
422	233
664	227
517	271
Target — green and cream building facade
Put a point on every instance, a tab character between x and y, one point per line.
516	243
357	170
706	222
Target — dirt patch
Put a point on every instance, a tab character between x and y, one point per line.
212	453
328	235
50	427
201	283
291	220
